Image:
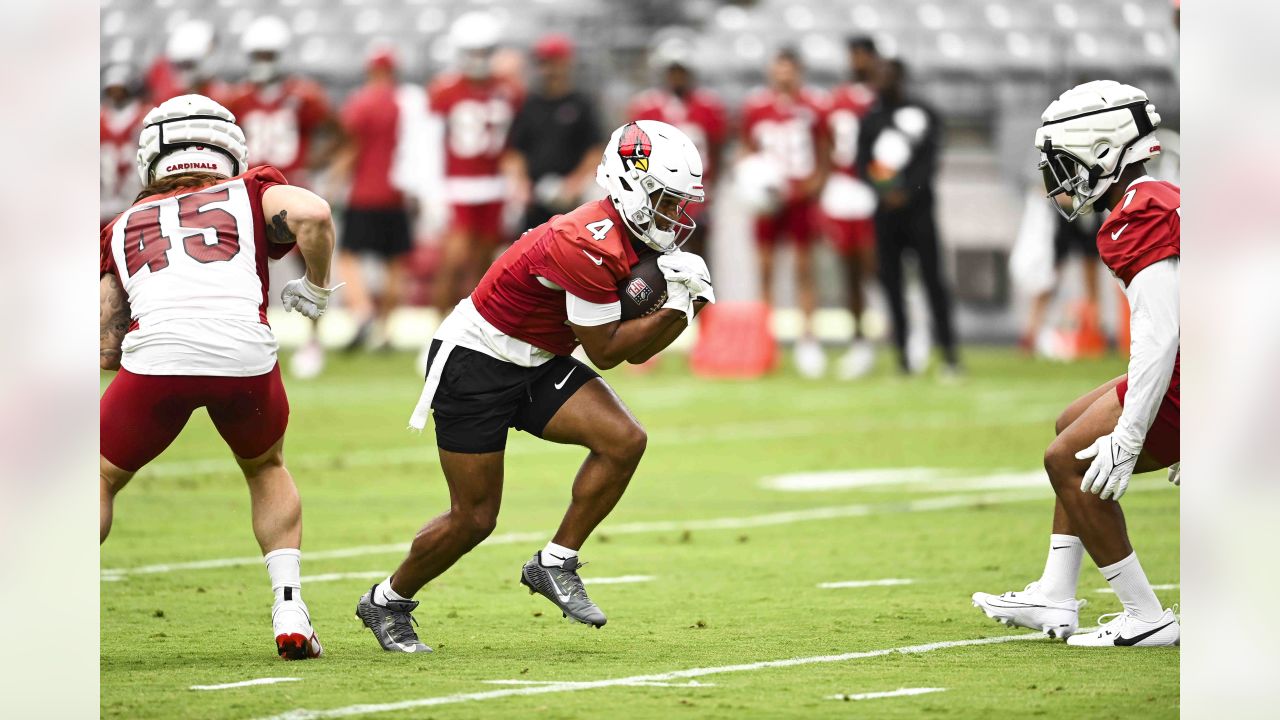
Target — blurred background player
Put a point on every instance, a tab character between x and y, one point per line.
848	203
183	309
376	224
472	110
555	140
697	111
1067	238
283	116
502	359
784	122
1095	140
898	150
119	122
187	65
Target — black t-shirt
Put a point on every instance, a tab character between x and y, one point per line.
554	133
916	178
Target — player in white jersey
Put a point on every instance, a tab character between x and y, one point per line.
183	313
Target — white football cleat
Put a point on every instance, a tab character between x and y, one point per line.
1031	609
1124	630
295	638
811	361
859	361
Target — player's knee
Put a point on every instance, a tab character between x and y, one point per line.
631	443
1059	463
478	523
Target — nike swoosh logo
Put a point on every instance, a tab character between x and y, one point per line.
1122	640
594	259
563	597
1113	577
1061	547
565	380
1114	236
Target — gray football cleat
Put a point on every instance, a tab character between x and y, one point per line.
392	623
562	586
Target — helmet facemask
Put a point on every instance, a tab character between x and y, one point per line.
664	223
1066	176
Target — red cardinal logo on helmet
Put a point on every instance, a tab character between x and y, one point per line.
634	146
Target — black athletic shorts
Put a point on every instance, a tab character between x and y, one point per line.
479	397
382	232
1075	238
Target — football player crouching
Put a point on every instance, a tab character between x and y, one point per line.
502	360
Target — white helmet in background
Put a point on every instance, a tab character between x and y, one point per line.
759	182
190	133
653	171
190	43
1088	136
671	52
264	41
473	37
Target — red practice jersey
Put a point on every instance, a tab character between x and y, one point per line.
1145	228
118	130
786	128
371	117
586	252
700	114
477	116
279	120
846	106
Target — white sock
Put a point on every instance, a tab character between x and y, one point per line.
1062	567
284	567
384	592
554	555
1132	587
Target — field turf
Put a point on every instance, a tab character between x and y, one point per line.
735	566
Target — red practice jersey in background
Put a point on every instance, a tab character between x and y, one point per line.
371	117
118	130
477	116
586	252
700	114
279	120
786	128
846	106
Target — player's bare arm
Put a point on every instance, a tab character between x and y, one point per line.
113	320
611	344
664	339
296	215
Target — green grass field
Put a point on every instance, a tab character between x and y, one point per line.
726	594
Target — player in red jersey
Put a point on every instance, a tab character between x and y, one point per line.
848	203
119	122
186	66
472	110
697	111
183	310
1094	141
784	122
502	359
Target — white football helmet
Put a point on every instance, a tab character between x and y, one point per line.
264	42
191	42
473	37
1088	136
653	171
190	133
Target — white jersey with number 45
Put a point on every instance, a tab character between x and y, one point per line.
194	267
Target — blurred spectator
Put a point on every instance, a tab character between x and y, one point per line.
556	139
119	123
187	65
898	152
697	111
376	222
472	111
783	122
848	203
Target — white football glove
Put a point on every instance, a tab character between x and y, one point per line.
306	297
679	298
691	270
1175	474
1108	475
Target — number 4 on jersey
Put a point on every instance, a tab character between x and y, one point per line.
600	228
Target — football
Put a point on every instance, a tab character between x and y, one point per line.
645	290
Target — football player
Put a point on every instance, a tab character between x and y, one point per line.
848	204
502	359
187	65
119	122
472	111
784	122
1094	140
183	311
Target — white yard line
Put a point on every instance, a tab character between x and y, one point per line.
371	708
619	580
246	683
691	683
864	583
945	502
330	577
900	692
1166	586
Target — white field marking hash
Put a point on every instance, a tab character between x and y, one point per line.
864	583
330	577
945	502
900	692
915	480
691	683
371	708
1166	586
619	580
246	683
